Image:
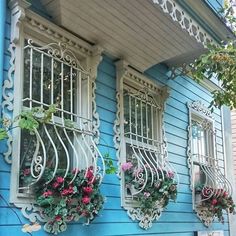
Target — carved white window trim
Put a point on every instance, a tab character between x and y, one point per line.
129	77
208	164
25	23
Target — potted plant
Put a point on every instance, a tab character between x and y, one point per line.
156	191
214	202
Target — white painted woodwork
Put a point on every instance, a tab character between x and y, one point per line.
137	31
233	123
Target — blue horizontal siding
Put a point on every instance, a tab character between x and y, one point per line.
178	219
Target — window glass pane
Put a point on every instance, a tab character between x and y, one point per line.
144	114
126	115
47	82
36	75
138	120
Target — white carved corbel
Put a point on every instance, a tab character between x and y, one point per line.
94	61
17	16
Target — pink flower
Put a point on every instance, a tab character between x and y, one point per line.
58	218
170	174
85	213
87	190
26	171
225	194
126	166
214	202
137	172
70	189
64	192
146	194
47	193
60	180
89	174
157	184
55	185
86	200
67	191
75	170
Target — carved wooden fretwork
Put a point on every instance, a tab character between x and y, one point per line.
24	22
187	23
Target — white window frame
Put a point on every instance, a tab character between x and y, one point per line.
27	24
207	162
128	78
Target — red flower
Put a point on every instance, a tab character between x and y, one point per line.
87	190
64	192
58	218
26	172
60	180
47	193
85	213
225	194
55	185
89	175
214	202
70	189
86	200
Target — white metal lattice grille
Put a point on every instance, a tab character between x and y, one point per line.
207	172
143	139
53	75
207	180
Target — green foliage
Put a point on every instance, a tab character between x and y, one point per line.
31	119
3	134
63	201
220	63
110	169
4	125
216	201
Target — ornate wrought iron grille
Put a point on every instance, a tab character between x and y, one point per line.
53	75
207	179
144	139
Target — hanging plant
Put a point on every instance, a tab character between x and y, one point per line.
215	202
155	192
63	200
63	196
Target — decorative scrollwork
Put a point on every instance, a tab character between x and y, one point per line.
60	51
8	98
117	136
145	220
205	216
201	108
186	22
96	120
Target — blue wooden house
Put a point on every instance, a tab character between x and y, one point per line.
114	74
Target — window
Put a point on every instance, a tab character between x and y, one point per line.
143	136
54	73
207	181
141	146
